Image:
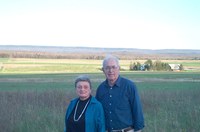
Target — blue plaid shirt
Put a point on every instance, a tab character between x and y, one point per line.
121	104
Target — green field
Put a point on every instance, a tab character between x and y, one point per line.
24	65
36	100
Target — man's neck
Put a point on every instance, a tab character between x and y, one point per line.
111	82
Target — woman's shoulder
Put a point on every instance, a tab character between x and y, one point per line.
73	101
95	101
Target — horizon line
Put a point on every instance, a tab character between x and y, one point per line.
92	47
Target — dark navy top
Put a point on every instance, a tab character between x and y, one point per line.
77	126
121	104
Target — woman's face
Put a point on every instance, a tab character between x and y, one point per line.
83	90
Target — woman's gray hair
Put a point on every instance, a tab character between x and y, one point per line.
83	78
110	57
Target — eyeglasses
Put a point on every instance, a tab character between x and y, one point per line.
108	68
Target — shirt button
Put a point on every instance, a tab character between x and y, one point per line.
110	112
110	120
110	95
110	104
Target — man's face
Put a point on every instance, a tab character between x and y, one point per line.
111	70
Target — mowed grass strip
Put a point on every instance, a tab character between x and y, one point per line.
49	66
25	65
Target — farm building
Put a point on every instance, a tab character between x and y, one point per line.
175	67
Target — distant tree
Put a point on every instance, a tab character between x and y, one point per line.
166	67
135	66
160	66
181	68
148	64
138	65
157	66
131	66
4	55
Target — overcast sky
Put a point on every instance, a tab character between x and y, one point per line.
144	24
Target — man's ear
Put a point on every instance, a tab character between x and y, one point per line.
103	70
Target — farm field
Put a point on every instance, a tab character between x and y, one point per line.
26	65
36	100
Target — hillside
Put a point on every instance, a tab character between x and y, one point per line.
94	53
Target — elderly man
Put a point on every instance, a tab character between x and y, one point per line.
120	100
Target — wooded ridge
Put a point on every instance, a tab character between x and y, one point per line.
58	52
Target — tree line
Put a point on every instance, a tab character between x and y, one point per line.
92	55
49	55
149	65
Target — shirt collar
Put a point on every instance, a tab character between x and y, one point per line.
117	82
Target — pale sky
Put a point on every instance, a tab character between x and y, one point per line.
144	24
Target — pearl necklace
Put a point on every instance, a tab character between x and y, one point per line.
81	112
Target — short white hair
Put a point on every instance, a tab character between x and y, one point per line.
110	57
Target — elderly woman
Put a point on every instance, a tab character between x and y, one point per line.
84	113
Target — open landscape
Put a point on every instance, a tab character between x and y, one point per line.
35	92
46	44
